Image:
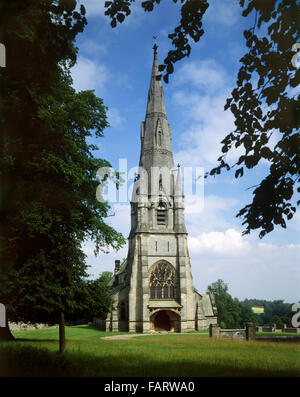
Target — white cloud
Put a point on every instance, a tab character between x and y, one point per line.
206	74
206	88
121	218
88	249
92	47
94	7
224	13
208	214
292	246
294	223
266	246
103	262
256	270
89	75
229	242
114	117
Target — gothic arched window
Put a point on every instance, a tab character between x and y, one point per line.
162	281
161	214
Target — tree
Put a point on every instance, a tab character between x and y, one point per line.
190	26
272	309
277	321
95	299
100	301
262	103
231	314
263	108
48	205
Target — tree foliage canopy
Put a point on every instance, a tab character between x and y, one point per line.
94	299
231	314
275	311
189	28
264	102
48	204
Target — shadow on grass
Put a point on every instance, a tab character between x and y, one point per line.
28	361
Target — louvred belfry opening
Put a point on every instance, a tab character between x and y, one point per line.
161	214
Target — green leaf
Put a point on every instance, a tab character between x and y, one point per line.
239	172
120	17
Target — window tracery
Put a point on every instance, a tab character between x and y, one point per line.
162	282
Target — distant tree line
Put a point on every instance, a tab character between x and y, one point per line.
275	312
95	300
233	313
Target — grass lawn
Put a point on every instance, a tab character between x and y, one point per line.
34	353
77	332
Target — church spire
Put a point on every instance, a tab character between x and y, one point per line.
178	191
153	289
156	148
156	102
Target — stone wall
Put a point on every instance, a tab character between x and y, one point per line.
274	329
247	333
291	330
27	326
232	333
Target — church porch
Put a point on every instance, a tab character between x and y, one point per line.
165	321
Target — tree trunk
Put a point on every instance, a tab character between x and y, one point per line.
62	334
5	334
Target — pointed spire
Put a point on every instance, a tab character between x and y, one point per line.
178	191
179	225
156	102
156	148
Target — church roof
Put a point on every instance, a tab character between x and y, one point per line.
208	304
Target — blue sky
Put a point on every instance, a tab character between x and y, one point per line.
116	63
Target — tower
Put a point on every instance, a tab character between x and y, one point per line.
153	288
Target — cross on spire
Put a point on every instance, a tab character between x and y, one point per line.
155	45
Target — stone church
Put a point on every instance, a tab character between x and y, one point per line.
153	288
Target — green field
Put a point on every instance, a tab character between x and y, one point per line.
34	353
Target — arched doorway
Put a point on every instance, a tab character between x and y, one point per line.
165	320
162	321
